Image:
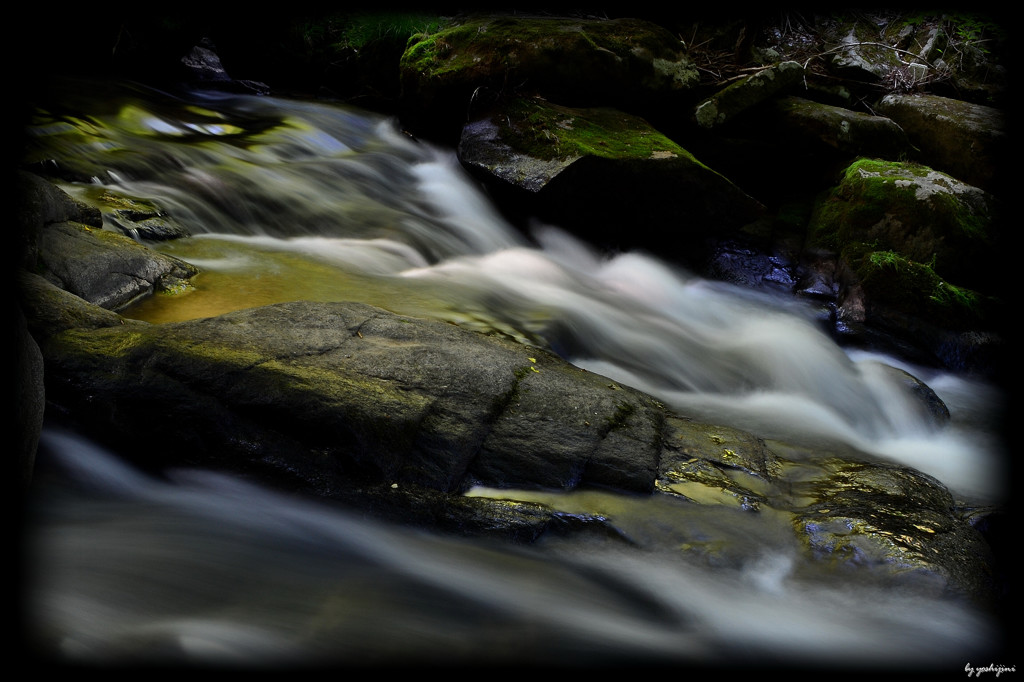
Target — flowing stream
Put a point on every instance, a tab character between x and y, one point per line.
291	200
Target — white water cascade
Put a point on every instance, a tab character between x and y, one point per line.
292	199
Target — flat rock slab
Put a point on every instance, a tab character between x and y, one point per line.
330	391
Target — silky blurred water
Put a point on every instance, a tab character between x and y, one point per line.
293	200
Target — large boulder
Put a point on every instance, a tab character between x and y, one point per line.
630	64
848	132
917	260
349	392
919	213
965	140
605	174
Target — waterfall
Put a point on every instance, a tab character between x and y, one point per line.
290	199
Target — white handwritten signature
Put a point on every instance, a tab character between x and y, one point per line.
991	668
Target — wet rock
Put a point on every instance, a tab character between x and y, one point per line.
98	265
141	220
896	520
354	391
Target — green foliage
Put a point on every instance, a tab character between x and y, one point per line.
360	29
353	30
547	131
886	259
952	296
913	287
973	30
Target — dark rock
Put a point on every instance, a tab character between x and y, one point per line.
103	267
29	399
967	141
913	213
54	310
732	101
141	220
352	390
203	66
41	203
98	265
594	171
850	132
897	520
868	518
630	64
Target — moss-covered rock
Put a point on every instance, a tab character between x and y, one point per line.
139	218
748	92
968	141
594	170
624	63
850	132
894	286
920	214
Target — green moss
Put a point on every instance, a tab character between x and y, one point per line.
912	287
620	418
492	45
175	287
547	131
361	28
920	214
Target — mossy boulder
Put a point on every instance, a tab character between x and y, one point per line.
845	131
920	214
625	63
968	141
594	170
890	288
918	269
